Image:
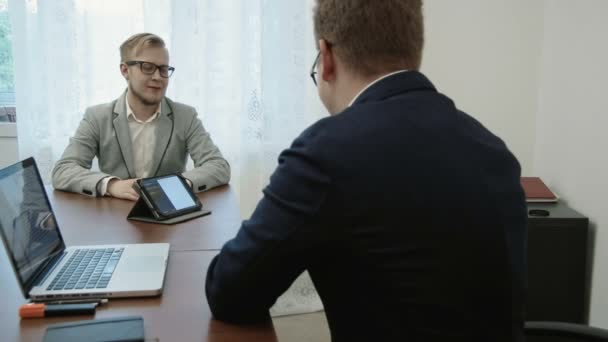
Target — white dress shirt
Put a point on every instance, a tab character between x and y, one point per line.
143	141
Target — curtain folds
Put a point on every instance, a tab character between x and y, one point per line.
242	64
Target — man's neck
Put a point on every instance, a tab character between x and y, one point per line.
141	110
369	82
352	87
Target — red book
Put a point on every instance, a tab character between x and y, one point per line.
537	191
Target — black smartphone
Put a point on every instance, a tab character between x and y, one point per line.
168	196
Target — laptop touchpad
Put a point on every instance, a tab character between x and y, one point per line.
144	264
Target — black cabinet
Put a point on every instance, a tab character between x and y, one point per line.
558	258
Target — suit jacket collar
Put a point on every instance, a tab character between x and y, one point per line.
120	106
121	128
394	85
164	131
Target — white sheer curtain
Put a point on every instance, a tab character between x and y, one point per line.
243	64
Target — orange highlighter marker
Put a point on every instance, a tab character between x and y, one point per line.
36	310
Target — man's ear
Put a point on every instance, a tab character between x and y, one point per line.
328	61
124	70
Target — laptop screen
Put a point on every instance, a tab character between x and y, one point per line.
27	223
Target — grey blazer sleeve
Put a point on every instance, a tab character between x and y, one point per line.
210	167
73	171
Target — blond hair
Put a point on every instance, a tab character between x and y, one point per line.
372	37
136	43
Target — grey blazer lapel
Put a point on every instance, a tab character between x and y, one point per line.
163	135
121	129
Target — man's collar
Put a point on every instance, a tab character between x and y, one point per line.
131	115
392	85
372	83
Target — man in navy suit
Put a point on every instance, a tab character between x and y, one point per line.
407	212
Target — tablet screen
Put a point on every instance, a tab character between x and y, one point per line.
169	194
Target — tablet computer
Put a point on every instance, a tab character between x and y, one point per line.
168	196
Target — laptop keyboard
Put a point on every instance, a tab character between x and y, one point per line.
87	269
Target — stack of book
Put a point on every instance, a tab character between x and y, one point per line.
537	191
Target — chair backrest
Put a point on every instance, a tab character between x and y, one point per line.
563	332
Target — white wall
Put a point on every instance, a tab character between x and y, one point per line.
485	55
572	149
8	144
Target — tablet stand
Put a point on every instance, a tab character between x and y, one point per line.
141	212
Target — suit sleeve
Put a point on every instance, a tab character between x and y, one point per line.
275	245
210	167
73	171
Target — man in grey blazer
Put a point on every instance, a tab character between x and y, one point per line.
141	134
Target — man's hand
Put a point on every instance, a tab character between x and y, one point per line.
123	189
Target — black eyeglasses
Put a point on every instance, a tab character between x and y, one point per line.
313	71
150	68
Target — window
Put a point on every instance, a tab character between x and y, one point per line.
7	84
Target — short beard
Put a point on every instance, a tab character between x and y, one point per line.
143	99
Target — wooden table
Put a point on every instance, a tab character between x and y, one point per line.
182	312
86	220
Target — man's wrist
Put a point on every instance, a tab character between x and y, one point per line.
105	184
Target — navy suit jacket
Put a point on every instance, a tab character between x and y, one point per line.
408	215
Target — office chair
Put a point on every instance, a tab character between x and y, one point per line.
538	331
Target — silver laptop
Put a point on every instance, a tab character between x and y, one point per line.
47	270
